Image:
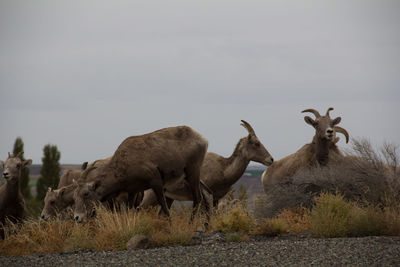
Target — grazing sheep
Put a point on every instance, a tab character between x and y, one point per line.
12	203
58	201
217	173
154	160
320	151
69	175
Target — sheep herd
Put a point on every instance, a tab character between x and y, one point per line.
166	165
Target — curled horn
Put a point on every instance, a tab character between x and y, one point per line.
341	130
315	112
248	127
327	112
19	155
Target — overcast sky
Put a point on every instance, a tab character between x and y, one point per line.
84	75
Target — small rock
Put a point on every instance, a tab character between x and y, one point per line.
138	242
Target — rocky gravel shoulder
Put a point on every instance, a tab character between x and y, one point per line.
212	250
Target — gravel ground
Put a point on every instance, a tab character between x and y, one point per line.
289	251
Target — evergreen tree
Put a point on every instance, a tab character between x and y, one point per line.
50	171
24	182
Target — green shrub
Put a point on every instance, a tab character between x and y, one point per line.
333	216
235	220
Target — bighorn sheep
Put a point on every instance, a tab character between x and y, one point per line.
152	160
12	203
217	173
320	151
69	175
57	201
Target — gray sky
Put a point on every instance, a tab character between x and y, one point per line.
84	75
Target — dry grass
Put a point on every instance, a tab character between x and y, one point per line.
269	227
295	220
35	237
333	216
108	231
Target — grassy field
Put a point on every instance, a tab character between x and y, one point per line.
331	216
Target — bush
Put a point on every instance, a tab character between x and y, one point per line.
269	227
295	220
234	220
362	175
333	216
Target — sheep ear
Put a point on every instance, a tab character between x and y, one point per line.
49	189
336	121
27	162
84	166
309	121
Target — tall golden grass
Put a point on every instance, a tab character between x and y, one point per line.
108	231
330	216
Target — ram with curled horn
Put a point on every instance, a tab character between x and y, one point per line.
321	151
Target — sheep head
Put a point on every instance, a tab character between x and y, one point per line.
13	165
85	199
325	127
253	148
57	201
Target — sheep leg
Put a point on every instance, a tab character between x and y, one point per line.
169	202
193	178
159	191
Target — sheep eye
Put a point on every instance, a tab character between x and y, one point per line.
86	194
257	144
18	165
52	202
